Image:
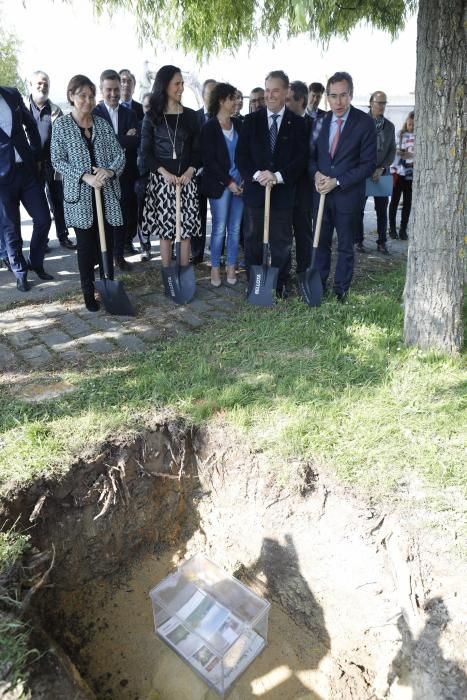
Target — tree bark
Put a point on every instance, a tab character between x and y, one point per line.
433	292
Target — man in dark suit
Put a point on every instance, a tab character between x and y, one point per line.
271	151
302	226
127	88
45	112
341	159
199	242
19	184
125	125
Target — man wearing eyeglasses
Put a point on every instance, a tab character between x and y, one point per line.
341	159
386	151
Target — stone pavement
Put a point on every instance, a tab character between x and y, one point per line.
54	334
49	328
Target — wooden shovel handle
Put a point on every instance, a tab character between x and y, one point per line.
267	209
319	220
100	220
178	213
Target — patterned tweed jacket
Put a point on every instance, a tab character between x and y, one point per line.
70	157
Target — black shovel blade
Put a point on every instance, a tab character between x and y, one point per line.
179	283
311	287
114	297
262	285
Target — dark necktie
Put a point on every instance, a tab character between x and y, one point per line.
336	138
273	131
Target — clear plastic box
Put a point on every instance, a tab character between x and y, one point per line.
211	620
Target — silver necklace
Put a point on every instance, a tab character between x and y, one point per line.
174	152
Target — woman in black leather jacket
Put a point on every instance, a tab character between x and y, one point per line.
170	153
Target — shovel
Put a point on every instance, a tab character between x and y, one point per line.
309	281
262	282
113	295
179	281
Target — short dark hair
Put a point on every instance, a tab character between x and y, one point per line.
206	82
109	74
279	75
299	91
127	70
77	82
219	92
339	77
257	89
316	87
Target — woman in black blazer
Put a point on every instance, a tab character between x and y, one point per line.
221	180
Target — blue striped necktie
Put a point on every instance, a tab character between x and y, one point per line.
273	131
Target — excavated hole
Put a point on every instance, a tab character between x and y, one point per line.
343	622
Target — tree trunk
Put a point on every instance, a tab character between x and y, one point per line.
435	268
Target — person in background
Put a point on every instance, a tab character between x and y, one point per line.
45	112
315	94
20	153
85	150
140	189
198	243
146	103
402	169
386	150
125	126
341	159
302	223
221	180
271	151
170	153
127	88
256	99
238	105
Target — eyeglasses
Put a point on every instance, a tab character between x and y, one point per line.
376	102
342	96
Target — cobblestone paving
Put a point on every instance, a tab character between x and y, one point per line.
57	333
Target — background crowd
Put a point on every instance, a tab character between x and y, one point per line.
136	154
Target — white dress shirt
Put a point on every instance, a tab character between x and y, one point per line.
279	178
113	113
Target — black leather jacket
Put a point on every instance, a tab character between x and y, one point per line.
156	148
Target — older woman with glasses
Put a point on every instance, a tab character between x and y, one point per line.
85	150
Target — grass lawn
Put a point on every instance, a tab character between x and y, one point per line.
334	385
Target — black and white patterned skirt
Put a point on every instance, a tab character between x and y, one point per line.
159	209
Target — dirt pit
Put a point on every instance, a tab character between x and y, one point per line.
360	608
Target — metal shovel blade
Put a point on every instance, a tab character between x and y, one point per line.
114	297
262	285
179	283
311	287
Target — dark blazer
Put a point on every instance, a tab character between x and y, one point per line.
126	120
201	117
289	157
21	119
354	159
137	108
215	158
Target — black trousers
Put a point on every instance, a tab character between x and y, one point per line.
198	243
280	240
403	187
303	234
381	209
89	255
54	193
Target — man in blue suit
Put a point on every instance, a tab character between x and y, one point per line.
125	125
341	159
271	150
19	184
